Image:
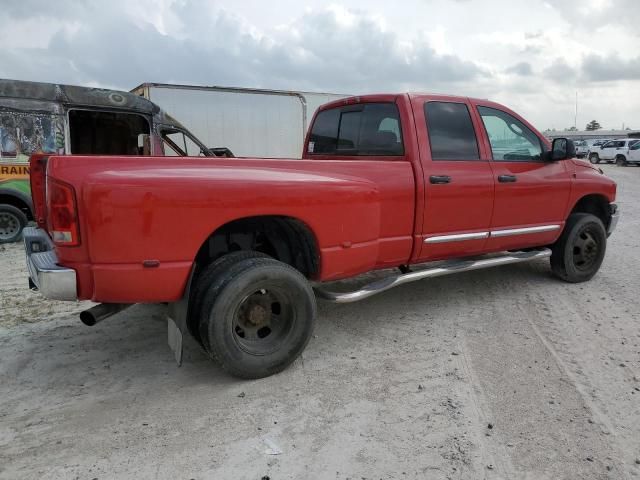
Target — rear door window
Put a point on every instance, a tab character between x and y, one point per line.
451	133
367	129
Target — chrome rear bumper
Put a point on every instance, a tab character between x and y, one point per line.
52	280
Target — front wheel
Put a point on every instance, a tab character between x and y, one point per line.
12	222
594	158
257	317
621	161
579	252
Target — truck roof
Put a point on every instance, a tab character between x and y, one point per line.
47	93
382	97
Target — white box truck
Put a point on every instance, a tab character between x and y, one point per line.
250	122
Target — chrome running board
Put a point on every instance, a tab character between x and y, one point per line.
453	266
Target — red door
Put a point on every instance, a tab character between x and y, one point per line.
457	176
531	193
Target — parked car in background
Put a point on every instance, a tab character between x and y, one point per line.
634	153
595	143
582	148
613	151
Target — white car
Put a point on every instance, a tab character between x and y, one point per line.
634	153
582	148
613	151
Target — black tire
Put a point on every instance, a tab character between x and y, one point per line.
12	222
594	158
204	280
257	317
621	161
579	252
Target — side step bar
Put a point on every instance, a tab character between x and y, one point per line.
448	268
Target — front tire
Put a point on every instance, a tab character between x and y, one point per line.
579	252
594	158
621	161
257	317
12	222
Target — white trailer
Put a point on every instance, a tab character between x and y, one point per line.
250	122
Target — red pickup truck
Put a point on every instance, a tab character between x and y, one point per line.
240	247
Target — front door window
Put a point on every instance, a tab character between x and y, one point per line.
177	144
511	140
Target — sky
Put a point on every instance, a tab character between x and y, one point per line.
534	56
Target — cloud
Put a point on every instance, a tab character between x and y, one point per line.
592	15
560	71
318	50
609	68
532	35
522	68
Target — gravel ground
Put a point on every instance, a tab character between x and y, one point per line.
499	374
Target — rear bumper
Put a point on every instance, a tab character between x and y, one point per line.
615	216
52	280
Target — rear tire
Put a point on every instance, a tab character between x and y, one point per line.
621	161
257	317
205	279
579	252
12	222
594	158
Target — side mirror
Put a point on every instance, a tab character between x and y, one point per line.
219	152
561	149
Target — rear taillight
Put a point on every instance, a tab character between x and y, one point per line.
62	213
37	175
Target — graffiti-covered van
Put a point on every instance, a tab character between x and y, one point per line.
65	119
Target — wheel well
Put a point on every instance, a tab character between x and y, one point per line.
596	205
283	238
8	199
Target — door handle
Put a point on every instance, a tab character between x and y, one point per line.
439	179
507	178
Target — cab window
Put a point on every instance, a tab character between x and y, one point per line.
177	144
510	139
366	129
22	134
106	133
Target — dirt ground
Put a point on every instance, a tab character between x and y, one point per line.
499	374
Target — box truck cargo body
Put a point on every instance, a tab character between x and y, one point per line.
250	122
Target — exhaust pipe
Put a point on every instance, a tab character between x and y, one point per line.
100	312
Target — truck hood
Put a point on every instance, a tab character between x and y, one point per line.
579	163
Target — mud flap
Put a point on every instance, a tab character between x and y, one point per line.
177	321
174	337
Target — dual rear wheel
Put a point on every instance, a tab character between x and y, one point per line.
252	314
